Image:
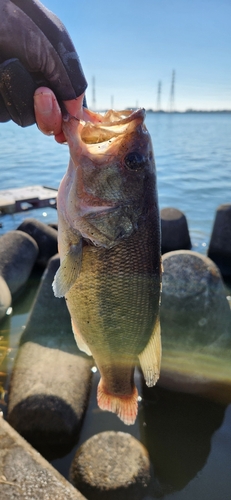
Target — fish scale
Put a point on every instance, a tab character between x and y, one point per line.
118	286
109	243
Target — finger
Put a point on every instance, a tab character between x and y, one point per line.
47	111
60	138
75	108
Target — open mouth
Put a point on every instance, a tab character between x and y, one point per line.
113	125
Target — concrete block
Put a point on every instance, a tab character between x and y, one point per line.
174	230
5	297
220	243
18	253
194	310
51	378
25	474
45	237
111	466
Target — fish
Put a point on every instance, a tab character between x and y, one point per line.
110	257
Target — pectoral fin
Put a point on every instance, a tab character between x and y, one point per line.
68	271
150	357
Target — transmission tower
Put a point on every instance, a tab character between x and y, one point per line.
158	102
93	94
172	93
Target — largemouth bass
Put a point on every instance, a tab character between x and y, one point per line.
109	244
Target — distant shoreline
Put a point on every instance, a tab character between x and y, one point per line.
190	111
187	111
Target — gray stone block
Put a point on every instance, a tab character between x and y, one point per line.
5	297
18	253
25	474
174	230
51	377
194	310
111	466
45	237
220	243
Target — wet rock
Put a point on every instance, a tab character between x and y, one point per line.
5	297
111	466
18	253
174	230
194	310
25	474
51	378
45	237
220	243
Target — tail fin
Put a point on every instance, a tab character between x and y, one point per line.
125	407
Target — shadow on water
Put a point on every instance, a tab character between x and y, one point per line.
177	430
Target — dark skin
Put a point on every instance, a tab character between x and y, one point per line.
40	72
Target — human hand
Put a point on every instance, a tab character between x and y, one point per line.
36	51
49	116
48	113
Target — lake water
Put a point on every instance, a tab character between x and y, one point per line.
189	439
193	160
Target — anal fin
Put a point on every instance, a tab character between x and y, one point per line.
68	271
150	357
79	340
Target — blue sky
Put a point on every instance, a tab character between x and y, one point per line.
131	45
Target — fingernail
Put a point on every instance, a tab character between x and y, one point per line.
43	103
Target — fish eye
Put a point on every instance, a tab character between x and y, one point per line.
134	161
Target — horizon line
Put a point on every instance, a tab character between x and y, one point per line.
151	110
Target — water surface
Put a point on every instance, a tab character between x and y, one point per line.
188	437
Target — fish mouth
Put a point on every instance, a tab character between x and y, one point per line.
91	138
112	125
92	144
